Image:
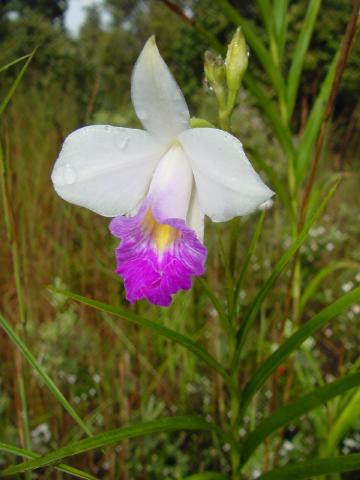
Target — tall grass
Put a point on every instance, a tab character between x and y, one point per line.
238	350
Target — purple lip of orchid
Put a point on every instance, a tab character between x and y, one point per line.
156	259
158	184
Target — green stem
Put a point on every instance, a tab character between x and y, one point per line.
12	238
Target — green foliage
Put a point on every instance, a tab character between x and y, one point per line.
231	350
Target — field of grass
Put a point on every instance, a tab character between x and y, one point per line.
115	371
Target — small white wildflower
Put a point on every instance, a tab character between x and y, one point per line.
227	447
346	287
330	246
356	309
71	379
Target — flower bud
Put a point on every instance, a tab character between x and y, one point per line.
215	72
236	62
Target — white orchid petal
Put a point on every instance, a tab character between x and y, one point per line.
157	98
195	218
226	182
171	186
106	169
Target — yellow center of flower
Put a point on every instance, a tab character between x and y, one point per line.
162	235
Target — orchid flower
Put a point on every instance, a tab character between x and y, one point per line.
158	183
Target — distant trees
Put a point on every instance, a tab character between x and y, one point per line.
50	9
98	63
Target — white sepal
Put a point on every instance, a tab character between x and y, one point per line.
226	182
106	169
157	98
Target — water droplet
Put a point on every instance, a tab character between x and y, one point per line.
124	143
69	174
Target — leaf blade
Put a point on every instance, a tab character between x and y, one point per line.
314	122
279	267
15	84
295	409
21	452
300	52
295	340
112	437
314	467
42	373
156	327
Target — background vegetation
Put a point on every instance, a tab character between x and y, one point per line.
111	372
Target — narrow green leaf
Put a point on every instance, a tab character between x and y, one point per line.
111	438
256	44
4	447
266	11
280	14
217	304
14	62
247	260
314	468
313	285
300	52
186	342
207	476
295	340
279	267
281	132
42	373
314	122
296	409
15	84
346	419
276	183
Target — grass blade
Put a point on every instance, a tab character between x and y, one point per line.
295	409
207	476
314	122
186	342
217	304
15	84
42	373
295	340
279	267
281	132
248	257
111	438
346	419
280	11
313	285
4	447
14	62
275	182
300	52
314	468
